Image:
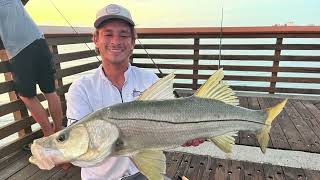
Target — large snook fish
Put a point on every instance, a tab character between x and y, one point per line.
156	121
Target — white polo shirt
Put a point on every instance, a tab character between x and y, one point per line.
17	29
95	91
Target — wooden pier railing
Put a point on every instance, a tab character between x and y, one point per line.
271	60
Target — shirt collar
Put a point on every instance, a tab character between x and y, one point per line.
126	74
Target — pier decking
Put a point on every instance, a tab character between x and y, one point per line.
296	129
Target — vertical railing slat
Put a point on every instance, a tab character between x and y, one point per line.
195	63
59	83
276	62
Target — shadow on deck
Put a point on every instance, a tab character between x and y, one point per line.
297	128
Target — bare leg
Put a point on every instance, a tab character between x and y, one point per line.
38	113
55	110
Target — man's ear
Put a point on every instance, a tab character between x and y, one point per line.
133	44
95	37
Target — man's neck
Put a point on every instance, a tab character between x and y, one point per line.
115	73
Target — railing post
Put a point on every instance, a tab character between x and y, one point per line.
195	63
22	113
276	62
59	83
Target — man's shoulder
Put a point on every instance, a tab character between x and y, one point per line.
84	82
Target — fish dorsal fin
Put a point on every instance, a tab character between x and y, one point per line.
224	142
151	163
214	88
162	89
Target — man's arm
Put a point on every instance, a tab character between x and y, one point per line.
77	107
78	104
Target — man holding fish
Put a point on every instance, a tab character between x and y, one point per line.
117	137
115	81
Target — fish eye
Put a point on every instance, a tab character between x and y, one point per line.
62	137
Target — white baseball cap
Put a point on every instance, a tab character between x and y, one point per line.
113	11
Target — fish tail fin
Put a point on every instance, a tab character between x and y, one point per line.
272	113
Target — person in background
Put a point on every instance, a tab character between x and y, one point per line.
31	63
115	81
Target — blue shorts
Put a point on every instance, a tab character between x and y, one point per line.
33	65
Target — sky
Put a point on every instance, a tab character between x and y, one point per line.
181	13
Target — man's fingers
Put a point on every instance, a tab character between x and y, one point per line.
184	178
66	166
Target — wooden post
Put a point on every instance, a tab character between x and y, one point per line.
276	62
195	63
23	113
59	83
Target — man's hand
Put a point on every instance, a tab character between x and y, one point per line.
66	166
193	142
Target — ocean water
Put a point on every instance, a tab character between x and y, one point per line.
4	98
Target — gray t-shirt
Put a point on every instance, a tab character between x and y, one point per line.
17	29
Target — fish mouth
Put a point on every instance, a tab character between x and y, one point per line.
45	158
61	147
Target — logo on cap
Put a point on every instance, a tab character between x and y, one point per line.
113	9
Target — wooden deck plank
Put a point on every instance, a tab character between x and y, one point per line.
310	174
14	167
25	173
236	170
62	174
317	104
315	114
174	160
253	171
273	172
303	128
45	174
221	171
75	174
195	167
277	137
202	169
259	171
210	167
184	165
292	135
59	175
294	173
6	161
311	121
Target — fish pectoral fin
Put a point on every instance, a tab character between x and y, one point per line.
162	89
224	142
214	89
151	163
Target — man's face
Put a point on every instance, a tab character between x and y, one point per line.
114	42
